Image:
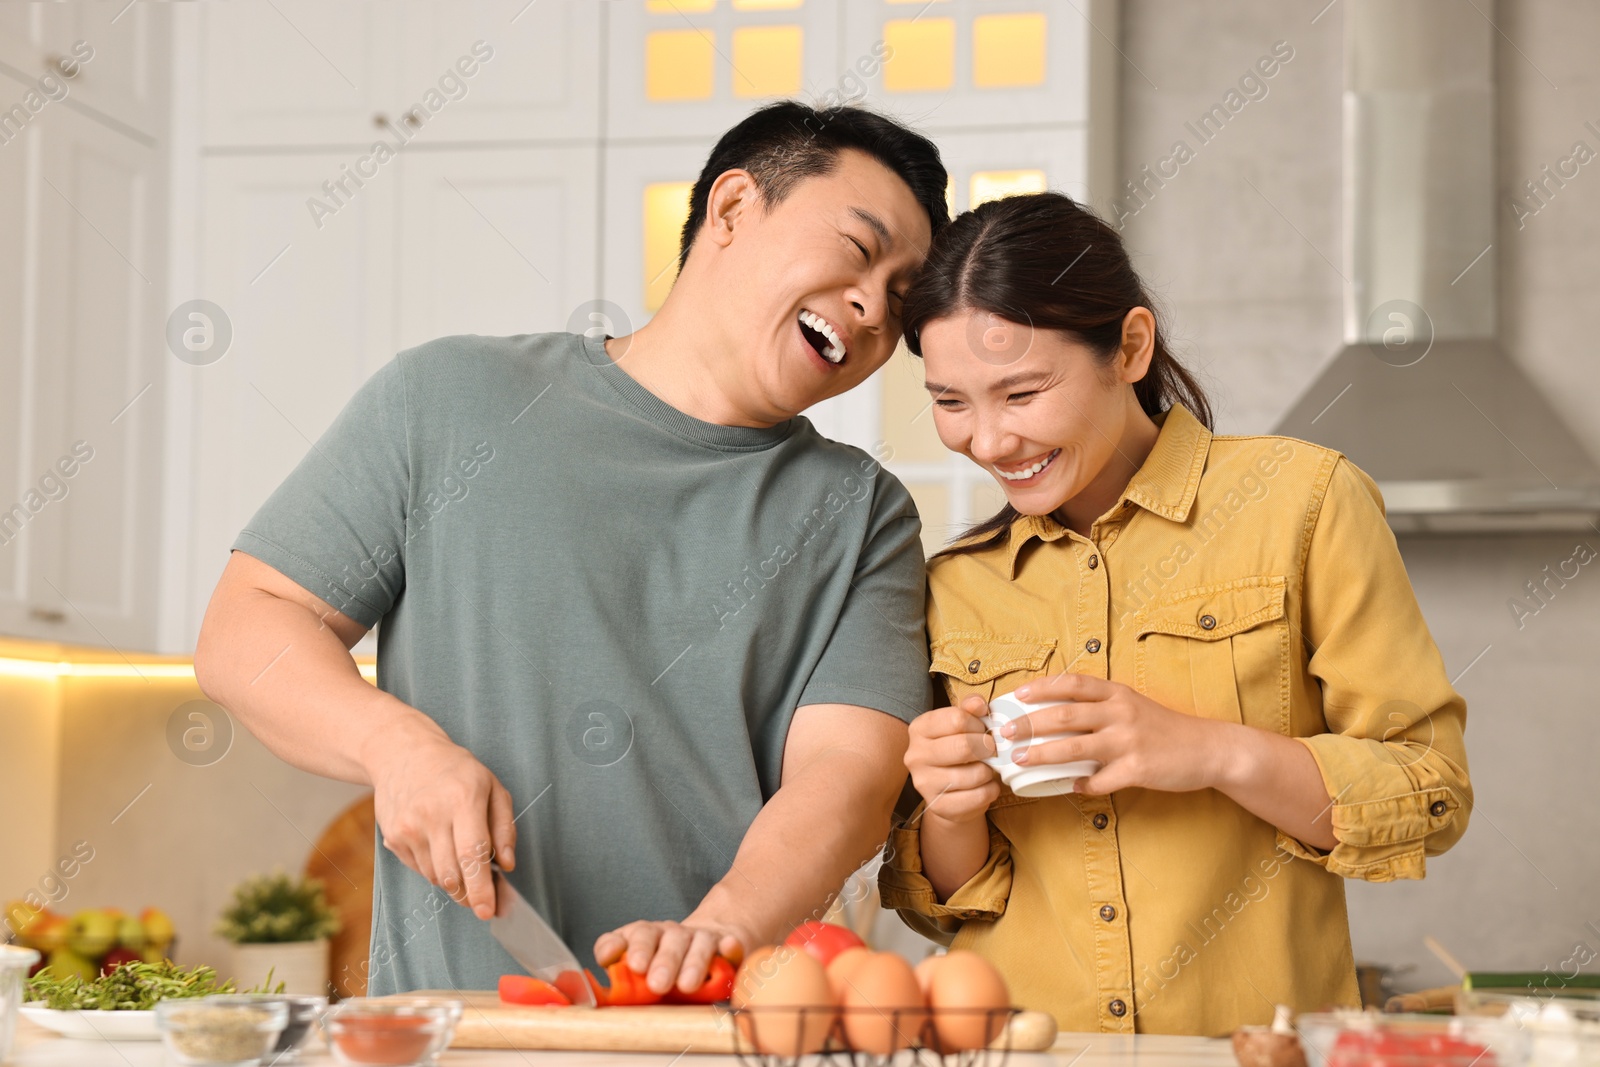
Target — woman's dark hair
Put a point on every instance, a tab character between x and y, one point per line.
1045	260
788	141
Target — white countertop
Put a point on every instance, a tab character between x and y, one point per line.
37	1047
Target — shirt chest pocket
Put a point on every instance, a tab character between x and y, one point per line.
964	663
1221	652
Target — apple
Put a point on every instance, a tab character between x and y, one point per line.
151	954
117	957
48	932
158	929
130	933
19	915
64	962
92	933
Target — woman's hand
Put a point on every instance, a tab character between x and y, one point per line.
1137	741
945	758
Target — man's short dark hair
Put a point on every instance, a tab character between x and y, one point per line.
784	143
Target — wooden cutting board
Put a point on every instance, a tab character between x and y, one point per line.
487	1023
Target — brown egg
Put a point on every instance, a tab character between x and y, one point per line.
966	994
924	971
884	1011
783	1003
843	965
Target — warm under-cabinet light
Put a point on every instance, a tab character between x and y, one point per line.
47	670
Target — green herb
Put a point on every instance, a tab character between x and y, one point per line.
277	908
129	987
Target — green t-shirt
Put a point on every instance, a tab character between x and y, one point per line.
613	605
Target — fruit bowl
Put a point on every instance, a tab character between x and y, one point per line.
776	1036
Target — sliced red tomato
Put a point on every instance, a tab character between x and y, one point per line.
523	989
718	986
823	940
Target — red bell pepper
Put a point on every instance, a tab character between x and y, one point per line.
628	988
718	986
523	989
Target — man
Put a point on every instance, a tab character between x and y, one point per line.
647	638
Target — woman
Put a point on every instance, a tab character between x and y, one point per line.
1226	620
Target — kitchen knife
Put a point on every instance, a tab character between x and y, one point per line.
523	933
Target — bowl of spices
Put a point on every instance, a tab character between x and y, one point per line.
390	1032
304	1009
203	1032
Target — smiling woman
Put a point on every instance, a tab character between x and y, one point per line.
1256	685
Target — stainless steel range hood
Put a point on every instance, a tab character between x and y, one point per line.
1421	397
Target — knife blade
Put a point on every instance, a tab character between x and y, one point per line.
523	933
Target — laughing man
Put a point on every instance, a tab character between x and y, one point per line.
647	637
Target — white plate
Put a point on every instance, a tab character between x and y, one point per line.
95	1025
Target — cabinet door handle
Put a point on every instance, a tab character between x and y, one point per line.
50	615
67	68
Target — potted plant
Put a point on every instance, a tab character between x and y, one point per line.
280	925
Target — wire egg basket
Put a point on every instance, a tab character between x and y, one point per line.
776	1036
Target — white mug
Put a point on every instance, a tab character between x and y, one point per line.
1029	779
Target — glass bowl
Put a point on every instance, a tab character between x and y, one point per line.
14	965
205	1032
1558	1029
304	1010
390	1031
1368	1039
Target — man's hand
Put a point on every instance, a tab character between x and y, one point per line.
667	952
945	758
1137	741
443	814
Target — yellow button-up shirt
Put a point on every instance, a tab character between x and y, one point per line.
1245	579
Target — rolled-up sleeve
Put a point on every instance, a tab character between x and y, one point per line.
1393	760
904	887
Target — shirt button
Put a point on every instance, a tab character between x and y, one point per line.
1092	645
1101	820
972	668
1094	561
1438	808
1107	912
1117	1008
1208	622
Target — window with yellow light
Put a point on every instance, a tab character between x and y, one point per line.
1008	50
679	64
678	7
922	54
767	60
666	205
986	185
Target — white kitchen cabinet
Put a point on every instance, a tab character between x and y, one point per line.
19	234
504	71
311	309
124	79
298	72
495	241
87	443
120	82
302	72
